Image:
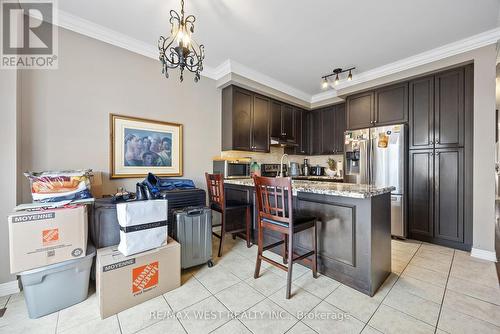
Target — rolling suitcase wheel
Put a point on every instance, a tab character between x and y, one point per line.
210	264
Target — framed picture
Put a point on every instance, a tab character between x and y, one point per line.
140	146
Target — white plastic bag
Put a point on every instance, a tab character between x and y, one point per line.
143	225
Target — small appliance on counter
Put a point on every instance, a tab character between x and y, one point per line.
317	170
294	169
305	168
232	168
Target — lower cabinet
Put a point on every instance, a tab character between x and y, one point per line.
436	191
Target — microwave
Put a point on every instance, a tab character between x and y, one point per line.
232	169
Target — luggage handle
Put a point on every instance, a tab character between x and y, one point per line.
195	212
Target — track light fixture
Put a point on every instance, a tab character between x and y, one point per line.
336	73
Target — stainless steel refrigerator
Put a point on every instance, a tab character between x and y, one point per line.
377	156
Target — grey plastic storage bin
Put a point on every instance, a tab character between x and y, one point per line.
194	233
104	227
52	288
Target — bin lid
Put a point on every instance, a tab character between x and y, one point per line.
90	253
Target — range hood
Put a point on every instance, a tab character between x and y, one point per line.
276	141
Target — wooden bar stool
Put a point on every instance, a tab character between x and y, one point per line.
215	187
275	212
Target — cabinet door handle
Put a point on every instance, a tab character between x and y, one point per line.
437	141
432	154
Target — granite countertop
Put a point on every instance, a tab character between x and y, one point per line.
318	178
326	188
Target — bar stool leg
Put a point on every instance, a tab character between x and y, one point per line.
284	248
259	251
248	223
290	266
315	248
222	233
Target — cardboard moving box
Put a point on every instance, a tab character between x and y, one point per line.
125	281
40	238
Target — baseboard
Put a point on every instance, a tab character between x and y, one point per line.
9	288
483	254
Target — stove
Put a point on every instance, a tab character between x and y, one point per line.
272	170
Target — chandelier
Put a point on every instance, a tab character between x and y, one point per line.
179	50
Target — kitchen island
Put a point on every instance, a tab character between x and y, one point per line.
354	228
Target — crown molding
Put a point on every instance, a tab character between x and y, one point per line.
96	31
103	34
230	66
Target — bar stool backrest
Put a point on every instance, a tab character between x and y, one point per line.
274	198
215	187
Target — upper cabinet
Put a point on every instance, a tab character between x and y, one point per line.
301	133
327	126
245	120
391	105
360	110
383	106
437	110
449	109
282	121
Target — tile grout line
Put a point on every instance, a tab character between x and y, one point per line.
444	293
57	321
171	309
119	323
397	279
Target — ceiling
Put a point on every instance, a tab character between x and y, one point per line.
296	42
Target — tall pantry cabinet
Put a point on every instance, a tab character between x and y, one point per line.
440	158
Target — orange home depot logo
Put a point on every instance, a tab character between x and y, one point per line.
144	277
50	236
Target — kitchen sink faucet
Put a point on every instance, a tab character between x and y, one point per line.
281	164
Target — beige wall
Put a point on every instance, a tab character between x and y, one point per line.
65	112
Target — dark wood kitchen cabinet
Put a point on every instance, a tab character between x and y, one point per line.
421	193
391	105
333	127
449	109
245	120
282	121
383	106
437	110
440	158
339	128
328	130
301	134
449	194
359	110
260	124
436	196
421	113
316	134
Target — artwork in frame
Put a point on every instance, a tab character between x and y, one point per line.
140	146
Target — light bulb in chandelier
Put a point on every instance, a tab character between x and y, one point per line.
324	85
349	77
336	80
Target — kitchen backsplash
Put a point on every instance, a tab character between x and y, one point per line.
275	155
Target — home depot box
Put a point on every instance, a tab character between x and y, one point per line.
40	238
125	281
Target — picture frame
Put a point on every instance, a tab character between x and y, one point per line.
139	146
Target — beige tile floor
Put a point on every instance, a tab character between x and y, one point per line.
432	290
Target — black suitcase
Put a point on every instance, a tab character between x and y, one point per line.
180	199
